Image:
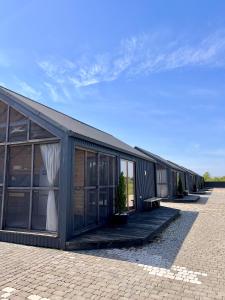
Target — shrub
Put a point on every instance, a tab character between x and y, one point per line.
121	195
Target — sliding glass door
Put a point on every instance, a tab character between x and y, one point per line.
94	188
162	182
128	170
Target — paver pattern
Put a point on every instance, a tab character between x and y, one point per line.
187	261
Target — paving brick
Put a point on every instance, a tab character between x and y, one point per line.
186	261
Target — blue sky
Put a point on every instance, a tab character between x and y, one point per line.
151	73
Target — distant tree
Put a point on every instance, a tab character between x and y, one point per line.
207	176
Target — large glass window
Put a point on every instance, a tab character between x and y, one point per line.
112	170
40	172
127	168
40	208
104	169
18	125
3	121
48	163
2	157
78	167
32	173
37	132
103	204
43	203
91	169
93	203
123	167
17	209
19	166
162	184
0	202
91	206
79	192
130	185
79	208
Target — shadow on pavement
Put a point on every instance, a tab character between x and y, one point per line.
160	253
203	199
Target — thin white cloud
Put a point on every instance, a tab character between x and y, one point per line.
27	90
54	93
144	54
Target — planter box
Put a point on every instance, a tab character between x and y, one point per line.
180	196
118	219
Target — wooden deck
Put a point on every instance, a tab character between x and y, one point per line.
141	228
189	198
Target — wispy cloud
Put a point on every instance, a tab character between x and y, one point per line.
143	54
27	90
52	91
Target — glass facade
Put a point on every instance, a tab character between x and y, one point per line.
18	126
162	182
3	121
2	156
17	209
19	166
94	188
128	170
37	132
31	178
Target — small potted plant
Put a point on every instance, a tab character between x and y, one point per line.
180	190
121	217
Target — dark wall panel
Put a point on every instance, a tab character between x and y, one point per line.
215	184
145	181
29	239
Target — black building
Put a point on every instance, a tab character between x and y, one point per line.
58	176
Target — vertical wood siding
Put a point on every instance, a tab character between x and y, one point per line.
145	181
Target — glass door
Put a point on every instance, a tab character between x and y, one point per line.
127	168
91	186
94	188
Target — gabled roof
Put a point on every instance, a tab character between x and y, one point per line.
185	169
160	160
73	126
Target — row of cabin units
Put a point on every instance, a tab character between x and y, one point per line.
168	175
59	176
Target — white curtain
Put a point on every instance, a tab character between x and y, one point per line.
51	158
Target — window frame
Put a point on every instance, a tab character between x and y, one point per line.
96	187
127	161
4	185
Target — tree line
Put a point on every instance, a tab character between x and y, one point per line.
207	177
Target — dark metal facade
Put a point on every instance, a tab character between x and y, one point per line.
145	181
145	177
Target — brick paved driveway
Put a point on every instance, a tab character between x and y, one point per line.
186	262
